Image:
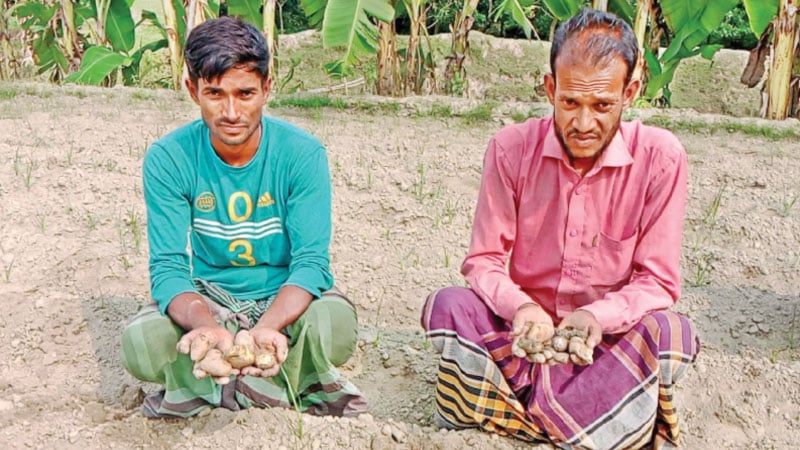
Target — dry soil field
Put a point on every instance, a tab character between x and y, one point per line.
73	269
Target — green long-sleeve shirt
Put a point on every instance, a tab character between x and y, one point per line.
249	229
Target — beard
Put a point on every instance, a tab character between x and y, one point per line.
570	132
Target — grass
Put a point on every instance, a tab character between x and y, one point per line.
700	257
481	113
298	429
135	229
91	221
703	266
770	132
310	101
712	211
7	94
27	175
786	205
7	270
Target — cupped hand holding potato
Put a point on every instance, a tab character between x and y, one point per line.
196	343
531	322
206	346
584	321
271	348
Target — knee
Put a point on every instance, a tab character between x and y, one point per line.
444	307
147	346
330	323
675	332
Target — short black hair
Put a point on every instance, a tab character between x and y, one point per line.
602	36
220	44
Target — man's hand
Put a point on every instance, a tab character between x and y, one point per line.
199	341
584	321
271	341
531	322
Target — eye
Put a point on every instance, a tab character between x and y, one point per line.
603	106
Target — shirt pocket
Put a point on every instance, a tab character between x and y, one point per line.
611	264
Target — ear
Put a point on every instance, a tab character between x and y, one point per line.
192	88
631	90
550	87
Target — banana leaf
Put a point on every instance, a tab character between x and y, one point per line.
347	23
98	63
760	13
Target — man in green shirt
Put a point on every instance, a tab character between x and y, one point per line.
239	224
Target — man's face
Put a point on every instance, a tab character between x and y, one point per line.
588	101
231	106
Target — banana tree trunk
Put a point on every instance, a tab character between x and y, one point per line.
414	58
173	42
640	31
780	74
600	5
7	55
388	63
459	44
70	34
270	32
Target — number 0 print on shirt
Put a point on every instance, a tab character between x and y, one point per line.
241	234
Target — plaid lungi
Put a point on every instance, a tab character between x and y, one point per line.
623	400
321	339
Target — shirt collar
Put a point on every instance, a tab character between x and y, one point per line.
615	155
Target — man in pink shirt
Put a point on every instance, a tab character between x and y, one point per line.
578	227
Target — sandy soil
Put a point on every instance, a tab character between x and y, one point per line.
73	260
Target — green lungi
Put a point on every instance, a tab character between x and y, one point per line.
322	338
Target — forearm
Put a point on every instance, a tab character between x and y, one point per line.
190	311
290	303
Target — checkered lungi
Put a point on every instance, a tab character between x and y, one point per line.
321	339
623	400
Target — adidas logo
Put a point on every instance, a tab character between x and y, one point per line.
265	200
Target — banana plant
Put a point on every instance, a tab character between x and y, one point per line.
690	22
347	23
454	74
519	11
564	9
776	24
96	37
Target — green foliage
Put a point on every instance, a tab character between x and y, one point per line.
443	13
734	31
59	33
292	19
691	23
347	23
248	10
120	26
761	13
97	64
7	94
310	101
562	9
518	11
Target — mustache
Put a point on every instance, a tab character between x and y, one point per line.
227	123
573	133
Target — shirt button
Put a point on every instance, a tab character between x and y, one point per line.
573	233
580	190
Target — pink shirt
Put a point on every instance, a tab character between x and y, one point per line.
608	243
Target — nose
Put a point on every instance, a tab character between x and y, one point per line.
584	120
230	110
